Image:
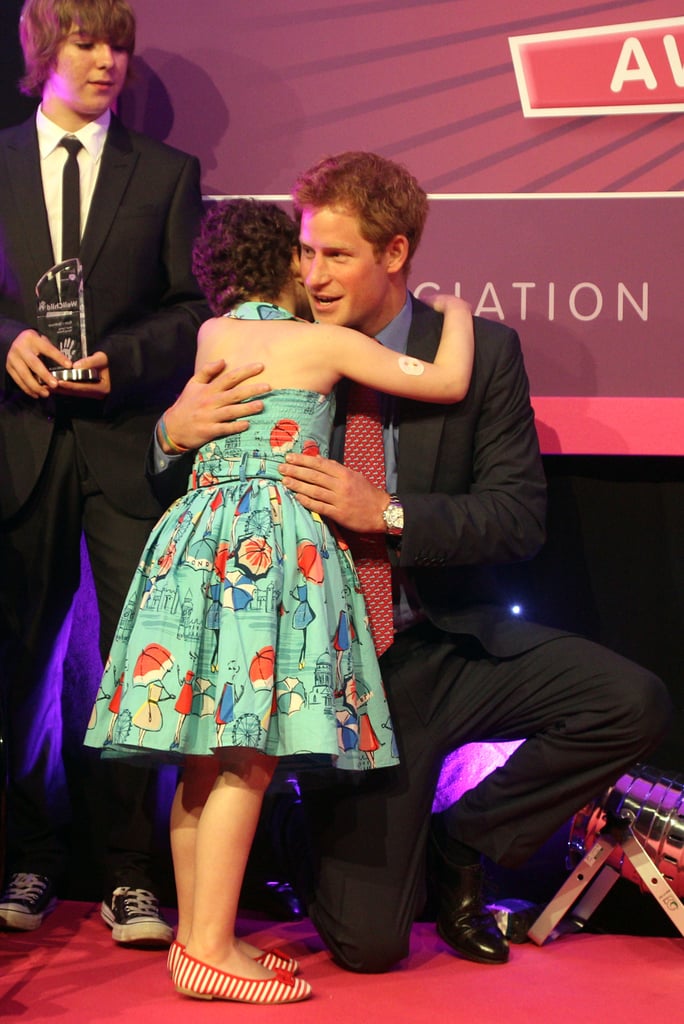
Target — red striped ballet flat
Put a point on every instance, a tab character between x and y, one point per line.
276	960
198	980
174	950
272	959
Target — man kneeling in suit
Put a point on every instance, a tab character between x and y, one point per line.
464	494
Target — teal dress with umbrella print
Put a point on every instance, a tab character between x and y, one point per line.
244	624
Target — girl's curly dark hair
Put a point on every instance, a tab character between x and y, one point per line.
244	251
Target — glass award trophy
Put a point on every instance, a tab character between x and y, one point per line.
61	317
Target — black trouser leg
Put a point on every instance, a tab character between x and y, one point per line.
39	555
586	714
133	795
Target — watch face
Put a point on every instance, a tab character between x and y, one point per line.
394	516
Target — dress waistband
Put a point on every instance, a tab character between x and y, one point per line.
252	469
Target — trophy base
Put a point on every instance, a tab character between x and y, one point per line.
76	376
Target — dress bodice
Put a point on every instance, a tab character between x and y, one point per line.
293	420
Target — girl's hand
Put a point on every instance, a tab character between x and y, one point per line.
442	302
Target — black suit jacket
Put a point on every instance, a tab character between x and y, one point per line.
143	307
471	481
473	488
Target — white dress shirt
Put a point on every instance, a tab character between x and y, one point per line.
52	159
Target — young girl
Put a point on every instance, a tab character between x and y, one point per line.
245	637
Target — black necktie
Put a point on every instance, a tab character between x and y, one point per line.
71	199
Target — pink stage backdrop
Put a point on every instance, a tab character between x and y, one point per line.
548	136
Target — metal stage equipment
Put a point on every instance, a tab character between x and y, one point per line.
635	830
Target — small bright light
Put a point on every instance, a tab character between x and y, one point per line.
516	609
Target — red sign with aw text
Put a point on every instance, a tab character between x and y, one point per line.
620	69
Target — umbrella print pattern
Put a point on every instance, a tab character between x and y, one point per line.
254	556
261	668
238	591
152	665
310	447
291	695
201	553
310	562
221	559
245	601
206	700
207	479
284	436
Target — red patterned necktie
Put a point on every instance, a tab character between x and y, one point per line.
364	452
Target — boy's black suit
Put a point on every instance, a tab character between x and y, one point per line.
69	466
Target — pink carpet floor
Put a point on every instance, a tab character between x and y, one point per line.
70	972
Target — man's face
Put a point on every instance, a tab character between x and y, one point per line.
348	283
87	78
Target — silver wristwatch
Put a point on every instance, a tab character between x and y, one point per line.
394	516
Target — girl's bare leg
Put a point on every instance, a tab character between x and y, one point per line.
211	844
191	795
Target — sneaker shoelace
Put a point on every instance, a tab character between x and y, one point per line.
25	886
140	903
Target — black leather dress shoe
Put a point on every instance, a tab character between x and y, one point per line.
463	921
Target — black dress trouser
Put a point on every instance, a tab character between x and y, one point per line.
40	559
586	714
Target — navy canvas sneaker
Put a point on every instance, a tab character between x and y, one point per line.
135	919
25	901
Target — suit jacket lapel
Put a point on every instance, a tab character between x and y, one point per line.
420	423
118	163
26	185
